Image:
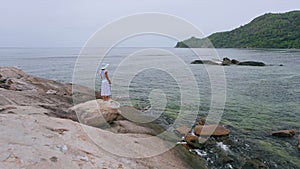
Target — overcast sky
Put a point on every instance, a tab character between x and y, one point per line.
69	23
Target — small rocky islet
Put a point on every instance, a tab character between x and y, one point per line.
226	62
40	129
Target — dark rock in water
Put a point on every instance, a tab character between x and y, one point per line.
227	141
246	131
195	142
192	141
226	61
224	158
186	146
221	157
213	130
281	65
254	164
197	62
210	142
192	161
299	142
284	133
252	63
235	62
209	62
200	121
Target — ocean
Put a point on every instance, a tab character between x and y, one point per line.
259	100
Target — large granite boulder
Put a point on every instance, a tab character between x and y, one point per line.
96	112
211	130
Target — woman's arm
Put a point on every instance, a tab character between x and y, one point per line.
106	75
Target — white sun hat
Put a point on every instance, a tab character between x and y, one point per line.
104	66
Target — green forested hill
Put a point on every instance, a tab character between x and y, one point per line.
266	31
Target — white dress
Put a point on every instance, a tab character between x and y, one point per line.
105	86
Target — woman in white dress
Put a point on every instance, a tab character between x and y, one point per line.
105	85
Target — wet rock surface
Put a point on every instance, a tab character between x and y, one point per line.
251	63
254	164
299	142
213	130
232	151
192	141
284	133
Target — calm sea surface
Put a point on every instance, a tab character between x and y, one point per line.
258	99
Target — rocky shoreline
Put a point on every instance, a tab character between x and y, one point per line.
226	147
40	129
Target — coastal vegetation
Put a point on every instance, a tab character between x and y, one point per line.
280	30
